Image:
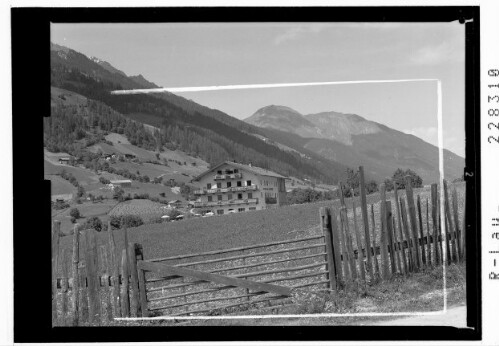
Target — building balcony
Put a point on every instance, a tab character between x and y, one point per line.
228	176
225	203
206	191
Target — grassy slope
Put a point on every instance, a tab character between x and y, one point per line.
59	185
219	232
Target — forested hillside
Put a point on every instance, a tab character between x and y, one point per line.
197	130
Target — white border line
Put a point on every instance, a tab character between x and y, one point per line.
258	86
280	85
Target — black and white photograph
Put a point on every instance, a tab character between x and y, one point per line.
258	173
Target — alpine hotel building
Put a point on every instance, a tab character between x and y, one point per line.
234	187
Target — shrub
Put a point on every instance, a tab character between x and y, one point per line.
118	222
104	181
92	222
58	205
75	213
73	220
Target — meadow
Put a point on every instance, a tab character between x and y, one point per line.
221	232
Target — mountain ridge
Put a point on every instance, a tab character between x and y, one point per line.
184	124
353	140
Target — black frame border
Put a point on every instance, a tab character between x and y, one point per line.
30	70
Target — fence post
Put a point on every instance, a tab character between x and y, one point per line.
125	299
336	248
421	231
56	229
401	231
384	235
342	198
440	235
389	232
365	219
325	217
395	245
457	234
377	275
428	233
434	218
412	216
349	247
76	275
139	256
344	256
450	237
360	254
83	293
107	275
64	285
134	281
115	263
91	268
405	223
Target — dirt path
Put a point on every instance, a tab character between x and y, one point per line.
454	317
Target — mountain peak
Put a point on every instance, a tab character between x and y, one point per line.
107	66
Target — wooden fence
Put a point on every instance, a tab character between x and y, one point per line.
232	280
351	248
94	283
409	238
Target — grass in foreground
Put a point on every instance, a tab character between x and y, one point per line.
419	292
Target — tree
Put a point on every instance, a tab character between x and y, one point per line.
75	213
399	178
104	180
118	194
80	191
93	222
388	184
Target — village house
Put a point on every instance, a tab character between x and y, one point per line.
175	203
65	160
121	183
234	187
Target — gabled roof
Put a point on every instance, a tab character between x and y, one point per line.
253	169
120	181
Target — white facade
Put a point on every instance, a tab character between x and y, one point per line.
231	188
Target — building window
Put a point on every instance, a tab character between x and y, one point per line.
241	209
236	170
252	208
229	196
239	196
239	183
220	211
250	195
219	197
210	198
229	184
219	185
208	186
248	182
219	172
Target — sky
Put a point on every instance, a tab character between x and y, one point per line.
208	54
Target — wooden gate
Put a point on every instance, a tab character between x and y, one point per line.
260	276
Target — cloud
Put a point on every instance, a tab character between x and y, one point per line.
299	31
443	53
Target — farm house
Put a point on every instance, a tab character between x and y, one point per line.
122	183
232	186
